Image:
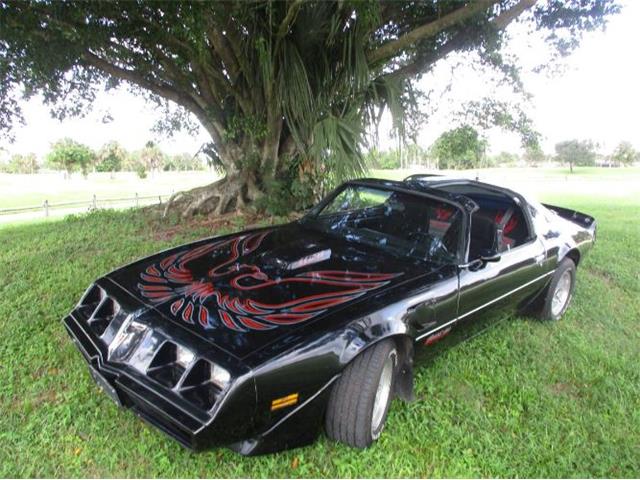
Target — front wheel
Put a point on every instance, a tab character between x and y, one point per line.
560	292
360	399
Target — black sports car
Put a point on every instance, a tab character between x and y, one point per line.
255	340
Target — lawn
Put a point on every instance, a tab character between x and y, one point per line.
32	190
524	398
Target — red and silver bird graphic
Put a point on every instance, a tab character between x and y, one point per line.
226	294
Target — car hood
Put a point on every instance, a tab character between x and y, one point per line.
244	291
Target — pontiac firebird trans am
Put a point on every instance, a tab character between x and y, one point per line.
256	340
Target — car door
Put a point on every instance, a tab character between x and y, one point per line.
518	274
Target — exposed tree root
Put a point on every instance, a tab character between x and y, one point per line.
218	198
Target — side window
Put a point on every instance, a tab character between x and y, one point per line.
498	225
512	227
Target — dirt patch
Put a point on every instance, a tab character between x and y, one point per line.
49	397
564	388
607	277
164	231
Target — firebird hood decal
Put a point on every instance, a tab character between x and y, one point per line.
225	283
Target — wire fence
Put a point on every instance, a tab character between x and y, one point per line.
48	208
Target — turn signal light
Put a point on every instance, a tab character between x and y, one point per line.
282	402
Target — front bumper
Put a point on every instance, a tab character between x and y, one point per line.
197	417
182	424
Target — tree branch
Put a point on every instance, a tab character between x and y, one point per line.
212	126
420	65
222	48
164	91
506	17
292	11
428	30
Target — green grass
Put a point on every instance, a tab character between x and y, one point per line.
525	398
32	190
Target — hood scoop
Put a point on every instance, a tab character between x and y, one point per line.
310	259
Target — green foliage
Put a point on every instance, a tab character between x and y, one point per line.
296	188
111	157
141	171
19	163
576	152
70	156
414	154
183	161
460	148
504	159
625	154
525	398
411	154
278	198
239	127
386	160
151	157
148	159
534	155
509	116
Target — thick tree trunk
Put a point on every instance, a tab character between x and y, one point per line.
248	163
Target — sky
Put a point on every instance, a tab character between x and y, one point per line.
596	97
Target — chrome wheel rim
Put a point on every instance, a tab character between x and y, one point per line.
382	395
561	295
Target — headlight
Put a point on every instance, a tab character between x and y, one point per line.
204	383
129	336
219	376
184	356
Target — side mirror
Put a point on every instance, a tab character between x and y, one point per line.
486	256
489	256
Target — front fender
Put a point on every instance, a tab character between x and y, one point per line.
307	374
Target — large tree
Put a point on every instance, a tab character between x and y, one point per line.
70	156
21	164
285	89
111	157
625	154
460	148
576	152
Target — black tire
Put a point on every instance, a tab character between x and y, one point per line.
546	311
349	413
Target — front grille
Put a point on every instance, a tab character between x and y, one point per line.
133	342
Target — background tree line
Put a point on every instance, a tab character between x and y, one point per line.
70	156
464	147
460	148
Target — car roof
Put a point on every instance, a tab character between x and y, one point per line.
442	182
416	187
438	186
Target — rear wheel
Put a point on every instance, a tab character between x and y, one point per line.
360	399
560	292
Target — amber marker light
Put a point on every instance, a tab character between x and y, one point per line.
282	402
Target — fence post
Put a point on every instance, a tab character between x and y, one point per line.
46	208
160	199
136	199
95	202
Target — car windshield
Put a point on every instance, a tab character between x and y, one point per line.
402	224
